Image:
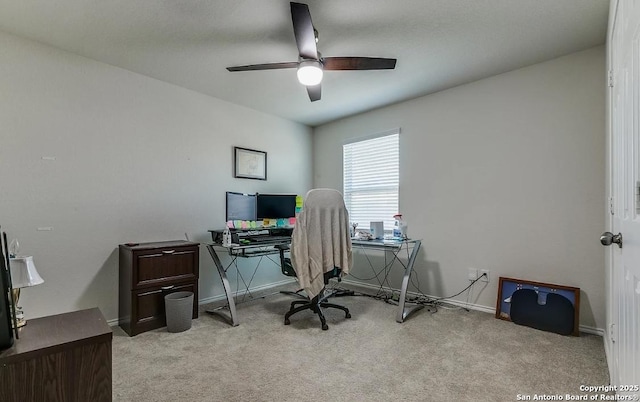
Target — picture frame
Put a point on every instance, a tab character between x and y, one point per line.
249	164
507	286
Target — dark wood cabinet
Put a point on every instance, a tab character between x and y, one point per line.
150	271
64	357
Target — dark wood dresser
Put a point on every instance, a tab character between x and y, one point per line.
65	357
148	272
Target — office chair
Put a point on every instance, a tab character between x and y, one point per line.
320	250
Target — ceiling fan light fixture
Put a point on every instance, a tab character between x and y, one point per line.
310	64
310	72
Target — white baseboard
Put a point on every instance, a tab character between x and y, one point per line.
255	289
457	303
592	330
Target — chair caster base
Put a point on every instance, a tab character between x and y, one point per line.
316	305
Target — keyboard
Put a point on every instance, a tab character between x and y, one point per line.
267	238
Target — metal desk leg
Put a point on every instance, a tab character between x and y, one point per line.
233	319
403	311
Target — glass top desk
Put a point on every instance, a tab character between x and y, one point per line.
411	246
395	247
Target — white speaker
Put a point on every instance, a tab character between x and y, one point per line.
377	230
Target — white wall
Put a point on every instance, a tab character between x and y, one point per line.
505	174
136	160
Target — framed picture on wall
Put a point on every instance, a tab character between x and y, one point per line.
249	164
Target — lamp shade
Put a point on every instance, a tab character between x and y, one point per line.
24	273
310	72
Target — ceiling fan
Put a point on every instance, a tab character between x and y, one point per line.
310	63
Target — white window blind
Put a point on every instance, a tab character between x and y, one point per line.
371	170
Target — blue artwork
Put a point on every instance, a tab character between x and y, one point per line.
508	286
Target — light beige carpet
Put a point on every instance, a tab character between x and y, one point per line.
450	355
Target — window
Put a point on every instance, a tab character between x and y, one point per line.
371	170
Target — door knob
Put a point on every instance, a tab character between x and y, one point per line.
607	238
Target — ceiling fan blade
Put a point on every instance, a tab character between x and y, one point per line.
358	63
268	66
314	92
303	31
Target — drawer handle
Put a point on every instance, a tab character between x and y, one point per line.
168	251
168	287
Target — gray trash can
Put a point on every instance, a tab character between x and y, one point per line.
179	311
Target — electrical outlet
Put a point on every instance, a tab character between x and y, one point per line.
473	274
486	277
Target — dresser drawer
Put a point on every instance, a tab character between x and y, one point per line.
149	310
159	266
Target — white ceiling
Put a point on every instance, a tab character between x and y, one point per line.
438	43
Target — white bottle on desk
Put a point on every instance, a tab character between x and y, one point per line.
399	227
226	237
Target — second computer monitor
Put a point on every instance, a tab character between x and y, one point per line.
276	206
241	206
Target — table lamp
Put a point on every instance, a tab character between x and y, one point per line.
23	274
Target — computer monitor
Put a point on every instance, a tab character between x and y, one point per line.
276	206
7	308
241	207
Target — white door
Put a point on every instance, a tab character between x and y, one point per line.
624	121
